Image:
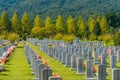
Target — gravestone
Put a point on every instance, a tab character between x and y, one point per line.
59	56
37	67
112	61
84	53
41	66
96	61
89	69
46	73
111	52
101	72
34	64
55	78
116	74
118	56
89	57
73	62
80	65
68	60
64	57
103	61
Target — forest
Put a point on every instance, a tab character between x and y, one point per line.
65	8
103	28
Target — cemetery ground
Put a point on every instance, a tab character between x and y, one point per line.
17	68
65	72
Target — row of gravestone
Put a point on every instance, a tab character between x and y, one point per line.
41	70
86	54
34	41
70	58
112	58
5	52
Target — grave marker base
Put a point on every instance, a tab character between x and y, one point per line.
73	68
91	78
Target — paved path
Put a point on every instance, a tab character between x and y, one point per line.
17	68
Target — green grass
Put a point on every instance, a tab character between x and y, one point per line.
17	68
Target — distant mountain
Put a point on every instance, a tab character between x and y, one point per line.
53	8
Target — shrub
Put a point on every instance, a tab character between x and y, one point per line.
92	37
69	37
12	37
106	38
99	38
117	39
58	36
2	37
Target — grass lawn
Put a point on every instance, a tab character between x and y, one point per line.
17	68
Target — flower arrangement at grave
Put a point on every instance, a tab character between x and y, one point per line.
99	58
5	57
56	75
92	54
44	61
49	44
94	69
84	64
39	57
108	51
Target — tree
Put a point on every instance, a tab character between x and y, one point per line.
70	25
91	24
98	19
50	30
59	24
26	25
117	39
104	25
37	21
16	23
5	22
35	31
12	37
81	27
97	29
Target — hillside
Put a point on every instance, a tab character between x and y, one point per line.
63	7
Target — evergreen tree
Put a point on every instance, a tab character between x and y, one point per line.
0	26
59	24
50	30
37	21
98	19
91	24
16	23
117	39
81	27
5	22
97	29
26	25
104	25
70	25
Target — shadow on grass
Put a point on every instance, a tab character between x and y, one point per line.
3	74
20	46
9	64
6	70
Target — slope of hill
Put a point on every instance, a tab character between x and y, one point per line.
63	7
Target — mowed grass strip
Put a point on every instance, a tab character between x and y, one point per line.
59	68
17	68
